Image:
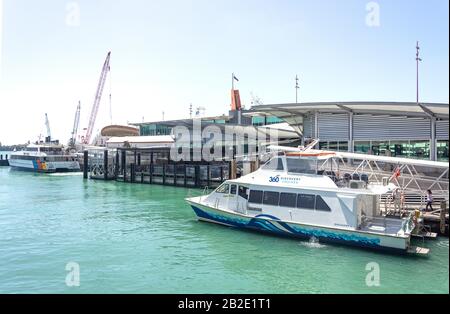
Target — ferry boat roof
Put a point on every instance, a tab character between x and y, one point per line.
269	178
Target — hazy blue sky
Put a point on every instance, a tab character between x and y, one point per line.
167	54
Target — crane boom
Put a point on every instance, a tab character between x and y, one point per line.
47	124
98	96
76	123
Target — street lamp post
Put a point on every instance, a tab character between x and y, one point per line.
418	59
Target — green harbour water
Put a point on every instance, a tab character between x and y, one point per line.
133	238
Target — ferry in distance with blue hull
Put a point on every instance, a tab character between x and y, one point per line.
299	194
46	158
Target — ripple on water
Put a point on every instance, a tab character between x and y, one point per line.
313	243
443	244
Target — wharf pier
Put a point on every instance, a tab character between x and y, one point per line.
4	162
153	166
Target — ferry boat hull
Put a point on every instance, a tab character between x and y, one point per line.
44	167
273	225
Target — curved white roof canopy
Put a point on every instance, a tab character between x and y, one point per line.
294	113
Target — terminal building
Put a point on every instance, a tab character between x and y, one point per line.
398	129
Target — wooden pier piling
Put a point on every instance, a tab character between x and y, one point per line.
105	164
132	172
116	166
442	216
85	164
4	162
233	170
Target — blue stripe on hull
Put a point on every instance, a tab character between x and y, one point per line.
43	171
259	224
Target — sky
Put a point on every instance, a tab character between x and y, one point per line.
167	54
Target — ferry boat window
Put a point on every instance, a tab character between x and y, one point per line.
321	204
288	199
243	192
233	189
306	201
296	165
274	164
255	197
271	198
224	188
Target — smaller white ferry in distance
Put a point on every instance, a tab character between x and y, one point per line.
44	157
297	194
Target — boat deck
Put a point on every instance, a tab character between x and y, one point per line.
382	225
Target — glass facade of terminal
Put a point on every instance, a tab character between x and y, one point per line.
406	149
334	146
259	121
153	129
442	151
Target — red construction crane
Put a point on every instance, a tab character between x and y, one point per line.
98	96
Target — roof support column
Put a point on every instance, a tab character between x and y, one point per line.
316	126
351	145
433	150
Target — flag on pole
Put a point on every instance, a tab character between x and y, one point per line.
235	78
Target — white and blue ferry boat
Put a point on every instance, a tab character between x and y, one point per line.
294	195
44	157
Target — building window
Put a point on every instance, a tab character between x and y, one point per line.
379	148
442	150
288	199
255	197
273	120
323	145
333	146
343	146
271	198
419	149
259	121
362	147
